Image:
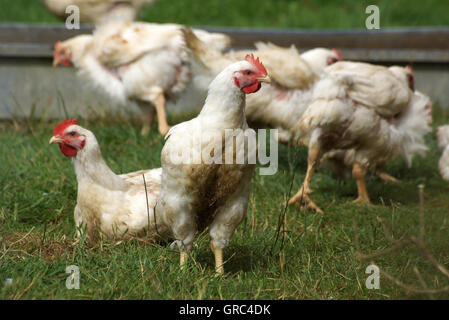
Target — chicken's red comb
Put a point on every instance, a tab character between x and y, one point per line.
409	68
64	125
410	77
256	62
338	53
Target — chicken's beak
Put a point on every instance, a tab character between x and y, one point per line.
56	139
55	62
265	79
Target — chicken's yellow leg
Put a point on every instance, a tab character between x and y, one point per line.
159	104
183	258
358	173
148	115
305	190
386	177
218	254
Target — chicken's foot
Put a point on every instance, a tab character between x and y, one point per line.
218	254
302	196
386	177
359	173
184	256
159	104
148	116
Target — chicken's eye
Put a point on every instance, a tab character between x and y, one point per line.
247	72
73	133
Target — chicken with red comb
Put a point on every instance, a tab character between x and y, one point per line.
207	191
256	62
115	206
60	128
338	53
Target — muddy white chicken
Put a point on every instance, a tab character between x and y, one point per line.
197	191
144	62
443	143
99	11
117	206
367	109
415	123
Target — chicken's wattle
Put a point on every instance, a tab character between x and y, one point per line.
67	150
252	88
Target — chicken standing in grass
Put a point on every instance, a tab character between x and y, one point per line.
144	62
197	191
443	143
367	109
99	11
416	121
116	206
413	125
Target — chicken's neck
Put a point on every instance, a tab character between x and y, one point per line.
224	106
91	168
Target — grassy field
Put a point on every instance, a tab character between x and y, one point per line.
316	259
316	14
314	256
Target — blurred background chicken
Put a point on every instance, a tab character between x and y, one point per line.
367	109
116	206
197	193
414	124
144	62
99	11
280	104
317	59
443	143
417	119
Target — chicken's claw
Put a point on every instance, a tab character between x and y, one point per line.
145	130
362	200
163	130
387	178
302	198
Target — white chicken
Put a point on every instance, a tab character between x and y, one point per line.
405	74
116	206
340	162
365	108
200	192
145	62
99	11
413	125
443	143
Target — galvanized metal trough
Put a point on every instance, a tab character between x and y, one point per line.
30	86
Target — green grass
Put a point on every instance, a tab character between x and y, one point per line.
317	14
317	259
